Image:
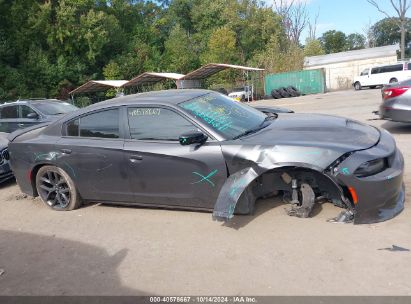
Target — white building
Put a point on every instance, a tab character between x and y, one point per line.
341	68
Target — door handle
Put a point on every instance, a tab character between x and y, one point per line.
21	124
65	151
135	158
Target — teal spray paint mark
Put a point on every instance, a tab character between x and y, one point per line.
45	156
237	186
345	171
231	210
205	178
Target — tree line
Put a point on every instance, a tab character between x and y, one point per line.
49	47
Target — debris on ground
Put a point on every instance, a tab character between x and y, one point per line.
19	197
395	248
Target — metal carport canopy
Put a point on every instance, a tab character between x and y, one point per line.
213	68
152	77
98	85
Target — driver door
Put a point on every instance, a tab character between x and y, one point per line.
163	172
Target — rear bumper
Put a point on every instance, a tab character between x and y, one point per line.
389	110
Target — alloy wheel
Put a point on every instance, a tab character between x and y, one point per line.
54	190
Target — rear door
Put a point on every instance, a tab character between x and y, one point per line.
24	121
9	118
164	172
91	152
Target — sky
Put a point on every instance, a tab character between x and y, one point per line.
348	16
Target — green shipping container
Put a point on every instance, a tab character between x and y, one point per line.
307	82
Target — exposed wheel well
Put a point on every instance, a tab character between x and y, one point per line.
279	179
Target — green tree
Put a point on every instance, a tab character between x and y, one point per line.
278	57
385	32
333	42
400	7
221	47
355	41
49	47
179	52
313	48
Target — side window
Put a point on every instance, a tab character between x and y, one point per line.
104	124
364	73
409	66
391	68
397	67
375	70
25	110
9	112
73	128
157	124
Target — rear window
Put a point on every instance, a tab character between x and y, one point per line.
388	69
8	112
54	108
392	68
104	124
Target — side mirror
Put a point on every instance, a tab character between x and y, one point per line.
32	115
192	138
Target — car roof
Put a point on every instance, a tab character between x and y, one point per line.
29	101
164	97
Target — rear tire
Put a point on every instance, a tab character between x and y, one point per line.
357	86
283	92
275	94
292	92
393	80
56	189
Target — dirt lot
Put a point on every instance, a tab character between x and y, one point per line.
103	250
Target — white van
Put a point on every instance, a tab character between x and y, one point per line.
381	75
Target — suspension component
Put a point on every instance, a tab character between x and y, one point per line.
307	202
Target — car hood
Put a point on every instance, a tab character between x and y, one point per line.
314	130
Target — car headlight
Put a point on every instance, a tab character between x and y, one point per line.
371	167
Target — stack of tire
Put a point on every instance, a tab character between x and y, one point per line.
285	92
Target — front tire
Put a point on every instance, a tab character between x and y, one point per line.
393	80
357	86
56	189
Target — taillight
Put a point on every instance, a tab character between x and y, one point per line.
394	92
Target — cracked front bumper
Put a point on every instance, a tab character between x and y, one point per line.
381	196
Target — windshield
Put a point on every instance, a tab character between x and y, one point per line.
224	115
55	108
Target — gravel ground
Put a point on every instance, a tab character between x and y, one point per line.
105	250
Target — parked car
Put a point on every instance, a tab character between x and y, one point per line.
242	94
381	75
5	171
25	113
214	154
396	102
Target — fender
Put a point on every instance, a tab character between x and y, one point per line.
238	182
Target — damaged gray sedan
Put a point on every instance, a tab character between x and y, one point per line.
197	149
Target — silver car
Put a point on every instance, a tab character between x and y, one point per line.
396	102
5	171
